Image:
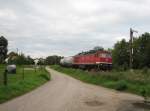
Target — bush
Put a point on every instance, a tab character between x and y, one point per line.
46	77
145	70
121	85
143	92
125	66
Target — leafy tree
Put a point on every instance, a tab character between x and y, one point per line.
41	61
97	48
141	47
3	49
14	58
110	49
141	52
20	59
29	60
120	54
53	60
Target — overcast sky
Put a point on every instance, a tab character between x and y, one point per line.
65	27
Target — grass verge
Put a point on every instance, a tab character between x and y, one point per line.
18	84
127	81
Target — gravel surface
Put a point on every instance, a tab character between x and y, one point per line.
64	93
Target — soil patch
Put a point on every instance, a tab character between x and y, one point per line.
143	105
93	103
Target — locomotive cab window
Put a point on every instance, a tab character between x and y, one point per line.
108	55
102	55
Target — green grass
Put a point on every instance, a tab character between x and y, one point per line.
17	85
126	81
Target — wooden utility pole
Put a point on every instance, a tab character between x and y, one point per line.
131	47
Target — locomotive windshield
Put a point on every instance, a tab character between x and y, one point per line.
105	55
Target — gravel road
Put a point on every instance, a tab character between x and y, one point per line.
64	93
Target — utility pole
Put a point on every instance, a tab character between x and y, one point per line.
131	47
17	51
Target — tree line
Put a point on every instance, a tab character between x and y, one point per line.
120	54
22	59
141	52
95	49
50	60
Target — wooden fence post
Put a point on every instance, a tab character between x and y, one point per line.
5	77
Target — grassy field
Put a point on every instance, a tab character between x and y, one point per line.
136	82
19	84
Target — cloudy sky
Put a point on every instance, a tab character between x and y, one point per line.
65	27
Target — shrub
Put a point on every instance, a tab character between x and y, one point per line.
44	76
125	66
121	85
143	92
145	70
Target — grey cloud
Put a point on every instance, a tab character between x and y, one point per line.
66	27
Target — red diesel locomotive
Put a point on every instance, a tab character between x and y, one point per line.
100	60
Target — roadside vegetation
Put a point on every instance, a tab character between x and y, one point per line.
137	81
141	53
20	83
27	77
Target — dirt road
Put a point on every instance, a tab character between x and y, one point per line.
64	93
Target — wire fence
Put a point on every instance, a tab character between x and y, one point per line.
22	72
2	69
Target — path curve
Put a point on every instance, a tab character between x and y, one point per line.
63	93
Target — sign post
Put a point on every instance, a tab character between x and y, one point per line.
5	73
35	63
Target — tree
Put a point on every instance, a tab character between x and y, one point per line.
21	59
51	60
120	54
141	53
3	49
29	60
98	48
94	50
41	61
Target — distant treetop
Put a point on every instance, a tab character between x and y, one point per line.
94	50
